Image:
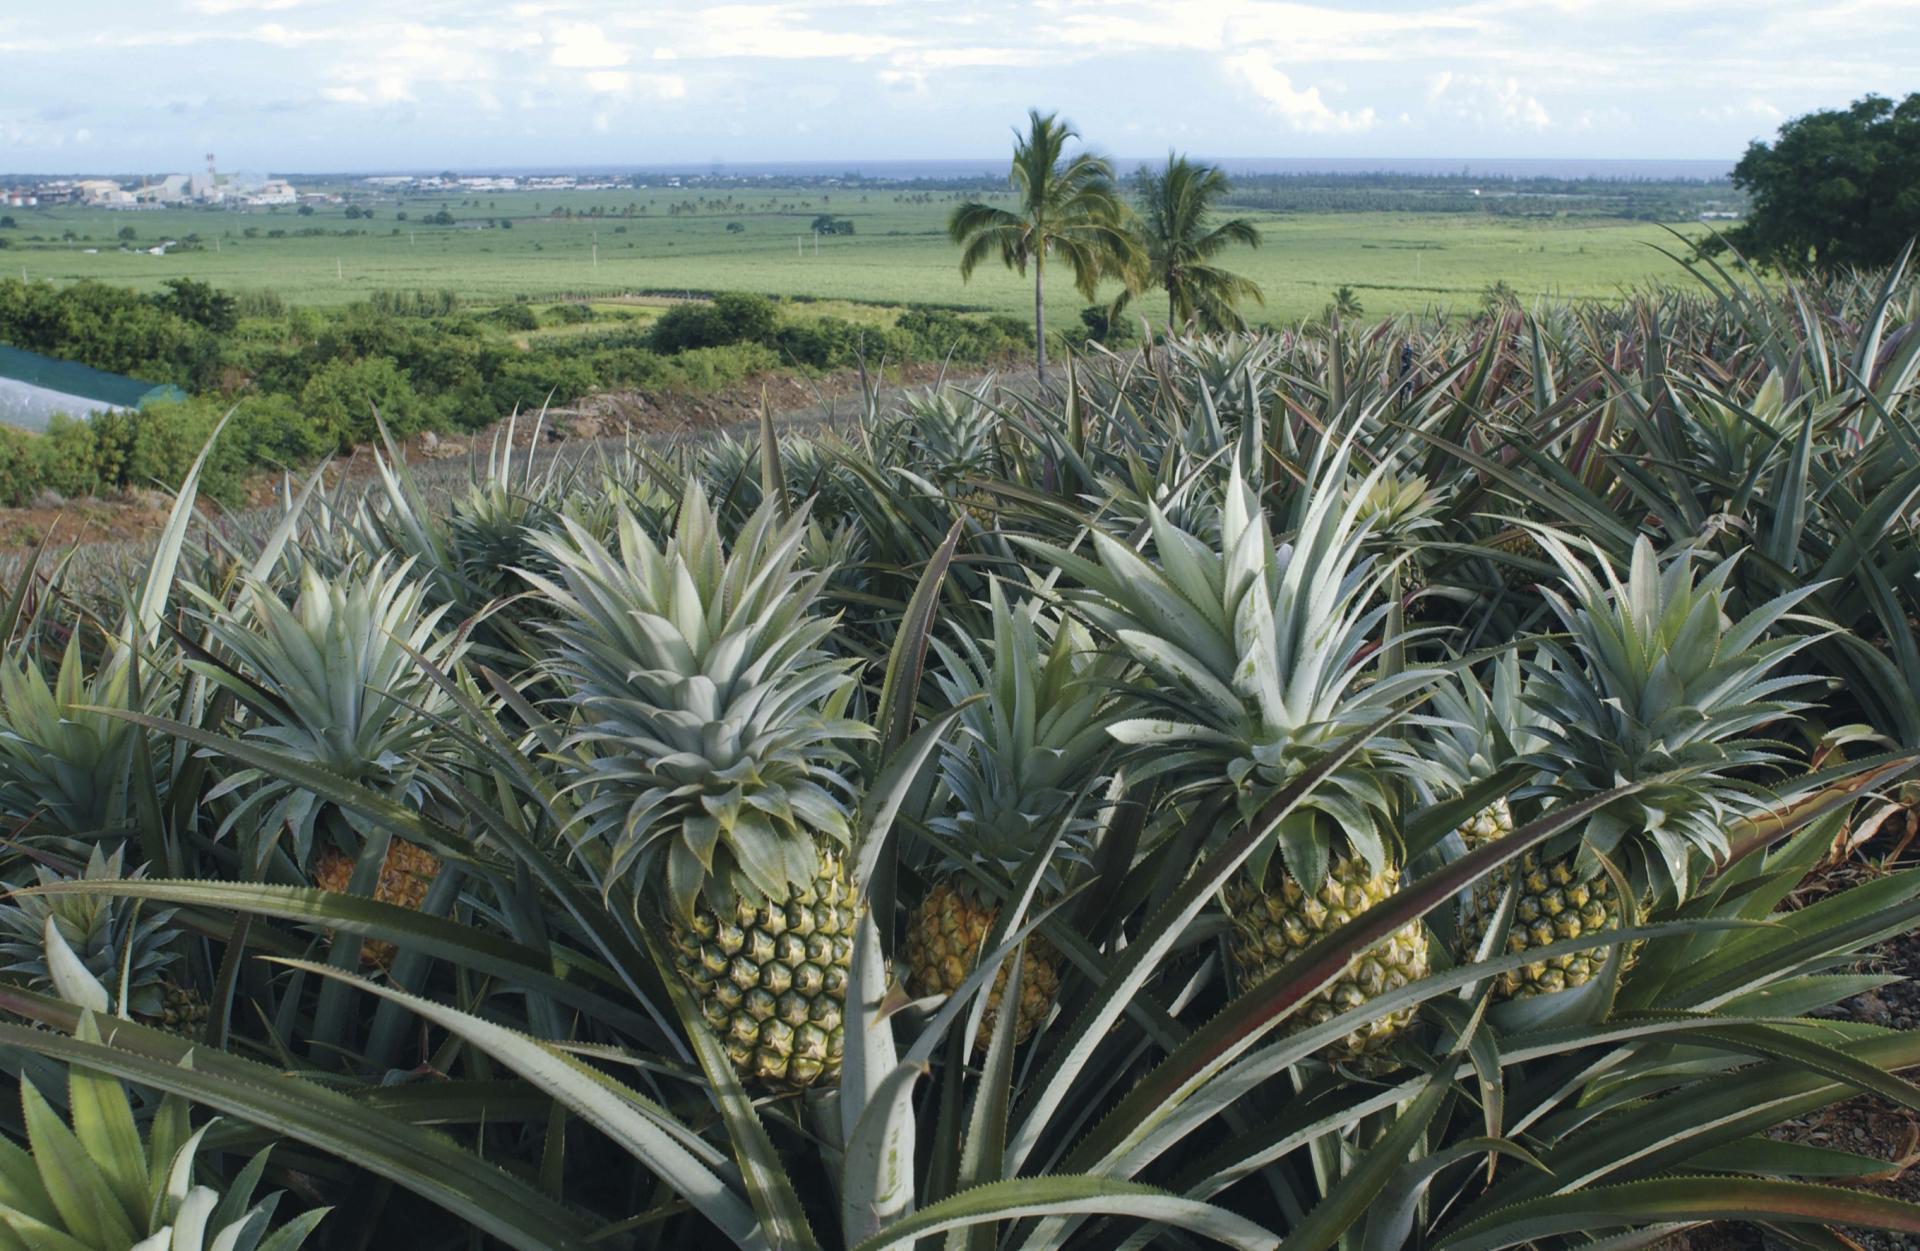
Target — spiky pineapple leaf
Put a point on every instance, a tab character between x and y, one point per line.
638	1125
1681	1199
1068	1195
428	1163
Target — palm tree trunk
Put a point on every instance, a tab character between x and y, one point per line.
1040	319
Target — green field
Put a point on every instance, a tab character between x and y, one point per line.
898	254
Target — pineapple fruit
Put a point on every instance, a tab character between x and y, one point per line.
406	871
1009	779
1657	685
707	754
1274	921
945	936
1256	652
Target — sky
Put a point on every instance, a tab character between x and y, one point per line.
296	86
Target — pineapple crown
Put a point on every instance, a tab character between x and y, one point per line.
1658	685
333	680
708	708
1026	752
949	433
1394	508
102	1184
1475	729
66	768
114	938
1257	650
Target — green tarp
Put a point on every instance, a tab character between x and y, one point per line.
34	387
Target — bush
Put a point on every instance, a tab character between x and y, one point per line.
572	314
532	380
341	397
709	369
835	343
939	334
730	317
516	317
1101	327
19	479
272	430
63	457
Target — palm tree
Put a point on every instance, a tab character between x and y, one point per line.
1068	209
1175	203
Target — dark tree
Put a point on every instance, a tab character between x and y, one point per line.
1836	188
200	303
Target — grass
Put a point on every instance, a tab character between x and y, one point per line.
899	253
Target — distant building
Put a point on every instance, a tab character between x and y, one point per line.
169	190
273	191
103	192
19	199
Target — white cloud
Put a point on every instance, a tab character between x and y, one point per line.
1487	101
767	32
622	82
582	45
216	8
1299	109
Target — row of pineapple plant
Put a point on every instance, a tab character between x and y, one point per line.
1347	785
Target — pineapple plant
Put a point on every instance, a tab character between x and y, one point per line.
333	678
66	764
950	438
708	738
105	1184
1474	731
1258	652
129	950
1397	512
1660	686
1009	780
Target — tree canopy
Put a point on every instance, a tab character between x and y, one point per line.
1068	208
1836	188
1181	242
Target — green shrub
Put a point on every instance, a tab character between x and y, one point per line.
1102	327
19	479
942	334
516	317
166	439
63	457
709	369
341	397
730	317
532	380
571	314
272	430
